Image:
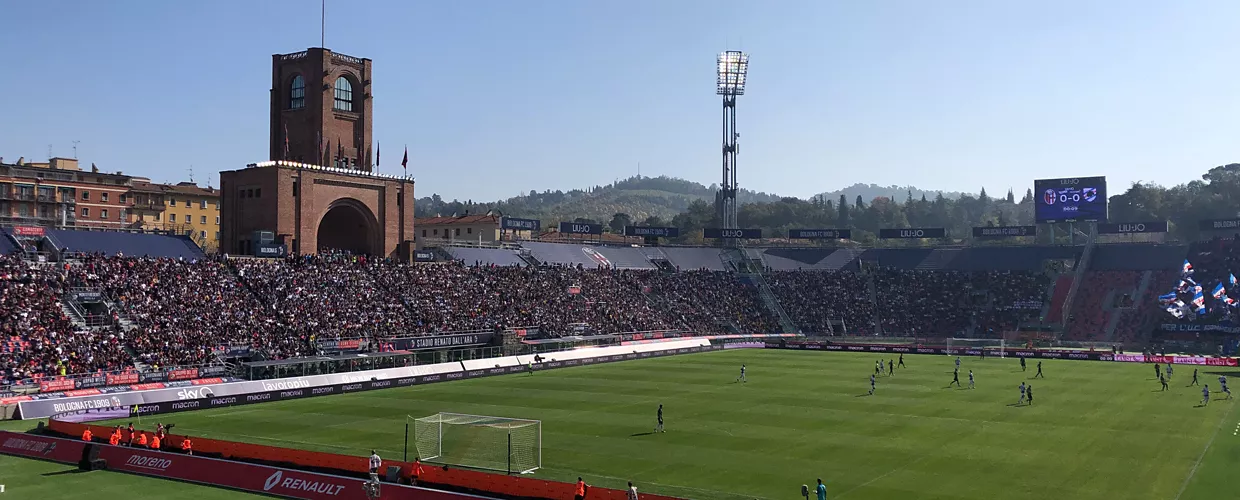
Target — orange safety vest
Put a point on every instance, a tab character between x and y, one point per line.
186	445
142	439
86	435
155	442
115	439
581	488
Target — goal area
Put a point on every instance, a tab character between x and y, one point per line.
479	441
992	347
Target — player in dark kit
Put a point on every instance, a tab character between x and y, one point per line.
659	427
891	368
1022	364
955	378
1194	378
1157	371
902	360
1039	375
1029	394
1163	380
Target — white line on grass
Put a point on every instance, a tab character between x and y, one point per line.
1209	443
888	473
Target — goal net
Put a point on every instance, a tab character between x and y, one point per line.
479	442
992	347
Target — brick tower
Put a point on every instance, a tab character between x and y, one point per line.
321	109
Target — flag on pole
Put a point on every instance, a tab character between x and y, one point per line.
328	149
377	154
404	162
286	141
318	143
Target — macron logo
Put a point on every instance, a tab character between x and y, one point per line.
273	481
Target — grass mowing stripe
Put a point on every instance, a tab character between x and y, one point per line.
1209	443
1098	429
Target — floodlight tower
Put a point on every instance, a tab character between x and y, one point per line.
732	68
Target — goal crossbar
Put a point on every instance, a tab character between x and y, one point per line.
479	441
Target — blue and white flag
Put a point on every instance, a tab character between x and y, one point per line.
1219	291
1187	268
1199	302
1166	299
1231	280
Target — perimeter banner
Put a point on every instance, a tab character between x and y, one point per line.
178	399
961	351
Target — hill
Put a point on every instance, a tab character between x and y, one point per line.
642	198
870	191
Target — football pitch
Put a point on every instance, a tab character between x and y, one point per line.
1096	430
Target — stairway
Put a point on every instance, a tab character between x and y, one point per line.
1079	274
772	304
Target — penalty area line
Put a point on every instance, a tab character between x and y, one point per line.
1209	443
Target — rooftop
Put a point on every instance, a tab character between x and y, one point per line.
459	219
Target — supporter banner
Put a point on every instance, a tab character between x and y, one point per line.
123	378
1005	231
820	234
1219	224
153	376
652	232
1133	227
913	233
62	384
1191	360
1129	358
212	371
580	228
172	400
64	451
962	351
88	297
272	250
1198	327
240	351
183	374
29	231
342	345
516	224
715	233
440	341
423	256
89	382
261	479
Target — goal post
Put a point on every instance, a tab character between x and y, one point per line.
995	347
510	445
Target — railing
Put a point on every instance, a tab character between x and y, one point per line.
34	382
347	59
1078	276
295	55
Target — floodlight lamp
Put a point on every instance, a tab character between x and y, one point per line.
732	68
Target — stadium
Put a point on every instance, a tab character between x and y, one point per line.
324	345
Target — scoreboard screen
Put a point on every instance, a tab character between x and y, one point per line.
1070	200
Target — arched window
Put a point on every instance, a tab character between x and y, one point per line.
297	93
344	94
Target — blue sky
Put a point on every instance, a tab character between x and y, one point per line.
494	98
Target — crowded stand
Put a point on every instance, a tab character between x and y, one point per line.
168	312
825	301
37	339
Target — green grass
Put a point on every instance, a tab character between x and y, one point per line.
1098	430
